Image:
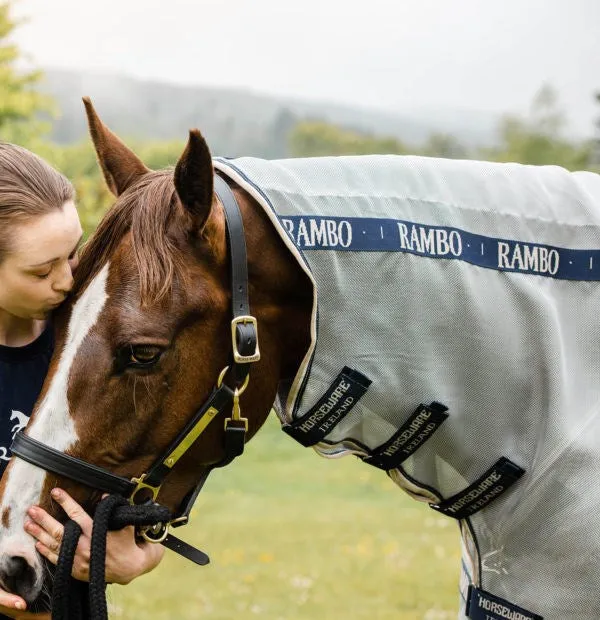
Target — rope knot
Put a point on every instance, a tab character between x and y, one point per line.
76	600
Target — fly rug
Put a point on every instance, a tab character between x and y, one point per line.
456	345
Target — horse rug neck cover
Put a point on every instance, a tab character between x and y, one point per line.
475	285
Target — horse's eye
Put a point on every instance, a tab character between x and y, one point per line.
144	354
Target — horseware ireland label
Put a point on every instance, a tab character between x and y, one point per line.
347	389
410	436
487	488
363	234
482	605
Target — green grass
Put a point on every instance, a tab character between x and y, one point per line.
293	536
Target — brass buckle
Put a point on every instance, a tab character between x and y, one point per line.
237	356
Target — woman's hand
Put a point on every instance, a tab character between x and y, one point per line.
14	606
11	604
126	558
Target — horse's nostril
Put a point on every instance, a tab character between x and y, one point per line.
18	576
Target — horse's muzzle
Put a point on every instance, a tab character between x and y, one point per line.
21	573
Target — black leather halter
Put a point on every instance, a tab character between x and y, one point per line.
223	398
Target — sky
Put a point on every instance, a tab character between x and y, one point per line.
391	54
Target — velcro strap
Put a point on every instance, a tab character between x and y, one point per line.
496	480
421	425
339	399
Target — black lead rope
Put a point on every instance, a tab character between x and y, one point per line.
69	596
76	600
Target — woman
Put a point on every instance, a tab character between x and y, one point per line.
40	234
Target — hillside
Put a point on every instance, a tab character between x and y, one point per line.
235	122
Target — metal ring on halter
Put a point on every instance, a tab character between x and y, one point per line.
239	390
155	533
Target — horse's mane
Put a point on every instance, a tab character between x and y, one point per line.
144	210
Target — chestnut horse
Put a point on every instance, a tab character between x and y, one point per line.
162	262
146	335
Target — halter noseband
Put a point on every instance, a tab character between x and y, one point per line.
245	351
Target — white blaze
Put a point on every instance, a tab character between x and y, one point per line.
52	424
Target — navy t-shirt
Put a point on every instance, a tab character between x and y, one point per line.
22	372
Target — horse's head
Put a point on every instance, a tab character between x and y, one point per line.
145	335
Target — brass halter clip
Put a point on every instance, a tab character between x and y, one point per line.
236	411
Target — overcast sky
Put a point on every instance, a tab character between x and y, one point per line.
394	54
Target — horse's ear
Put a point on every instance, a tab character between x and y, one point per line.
120	165
194	178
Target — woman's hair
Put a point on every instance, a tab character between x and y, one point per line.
29	187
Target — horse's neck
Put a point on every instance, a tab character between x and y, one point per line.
281	294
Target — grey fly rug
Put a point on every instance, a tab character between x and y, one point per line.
456	345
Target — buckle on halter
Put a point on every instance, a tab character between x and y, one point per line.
237	356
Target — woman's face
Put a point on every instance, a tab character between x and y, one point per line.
36	272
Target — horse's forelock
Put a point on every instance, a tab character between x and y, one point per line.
145	210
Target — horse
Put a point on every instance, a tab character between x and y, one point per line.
424	315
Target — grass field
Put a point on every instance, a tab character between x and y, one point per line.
293	536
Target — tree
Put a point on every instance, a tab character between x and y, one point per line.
277	136
444	145
539	138
20	103
78	163
317	138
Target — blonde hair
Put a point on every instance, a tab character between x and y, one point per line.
29	187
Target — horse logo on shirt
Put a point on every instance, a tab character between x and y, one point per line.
22	421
